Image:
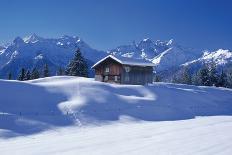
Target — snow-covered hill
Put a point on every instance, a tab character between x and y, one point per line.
80	100
82	116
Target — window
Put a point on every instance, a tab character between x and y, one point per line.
127	69
115	78
106	78
107	69
127	79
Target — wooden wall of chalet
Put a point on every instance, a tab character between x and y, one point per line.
115	68
137	75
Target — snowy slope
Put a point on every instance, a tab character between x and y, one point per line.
204	136
63	101
79	115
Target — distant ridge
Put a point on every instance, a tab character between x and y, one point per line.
168	56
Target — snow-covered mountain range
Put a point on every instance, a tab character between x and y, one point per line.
35	51
164	54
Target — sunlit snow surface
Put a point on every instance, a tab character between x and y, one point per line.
69	115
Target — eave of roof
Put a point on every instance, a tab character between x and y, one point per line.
124	62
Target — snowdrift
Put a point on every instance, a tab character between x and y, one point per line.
37	105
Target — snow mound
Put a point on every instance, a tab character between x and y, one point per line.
37	105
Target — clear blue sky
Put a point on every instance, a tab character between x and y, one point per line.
104	24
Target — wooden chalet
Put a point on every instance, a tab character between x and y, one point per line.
123	70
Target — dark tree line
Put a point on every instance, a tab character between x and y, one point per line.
30	75
76	67
207	75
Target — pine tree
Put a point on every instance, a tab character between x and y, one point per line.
182	76
195	79
157	78
22	75
213	75
222	80
46	71
9	76
77	66
35	74
175	79
203	76
60	71
28	75
186	77
229	79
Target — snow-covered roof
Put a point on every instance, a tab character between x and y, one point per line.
126	61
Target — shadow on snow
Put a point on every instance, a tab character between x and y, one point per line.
39	110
